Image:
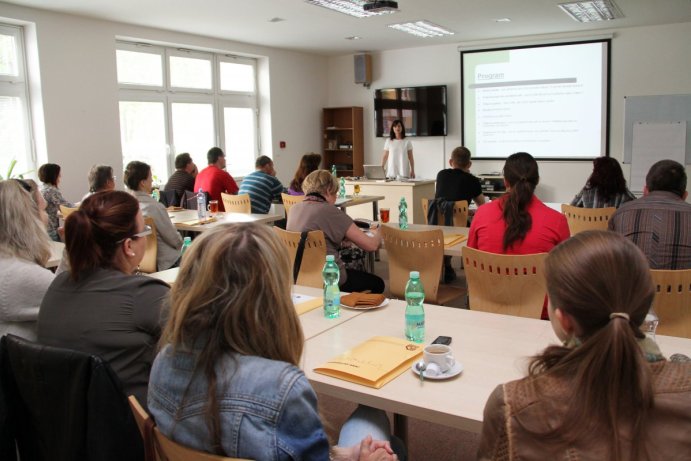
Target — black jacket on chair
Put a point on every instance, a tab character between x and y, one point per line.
62	405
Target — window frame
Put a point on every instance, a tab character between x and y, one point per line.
219	99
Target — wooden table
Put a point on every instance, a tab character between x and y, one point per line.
353	200
56	251
180	218
492	348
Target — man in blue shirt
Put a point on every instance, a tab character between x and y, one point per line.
262	185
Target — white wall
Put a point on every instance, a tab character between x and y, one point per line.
79	93
645	61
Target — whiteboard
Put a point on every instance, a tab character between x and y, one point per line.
652	142
656	109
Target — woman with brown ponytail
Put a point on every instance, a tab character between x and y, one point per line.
100	306
518	222
607	392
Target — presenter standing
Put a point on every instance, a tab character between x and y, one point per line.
398	153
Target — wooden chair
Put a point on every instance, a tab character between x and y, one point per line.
672	302
460	213
421	251
66	211
290	200
236	203
505	284
582	219
148	264
158	447
312	259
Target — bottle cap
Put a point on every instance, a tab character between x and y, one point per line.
187	240
330	258
414	275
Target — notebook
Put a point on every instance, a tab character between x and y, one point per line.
374	172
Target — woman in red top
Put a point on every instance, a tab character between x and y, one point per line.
518	223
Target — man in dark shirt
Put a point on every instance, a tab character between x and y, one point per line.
183	178
455	184
659	223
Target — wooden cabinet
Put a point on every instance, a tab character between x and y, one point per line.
344	142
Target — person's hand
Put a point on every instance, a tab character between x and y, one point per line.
375	450
412	174
61	233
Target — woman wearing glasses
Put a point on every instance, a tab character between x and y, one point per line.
100	307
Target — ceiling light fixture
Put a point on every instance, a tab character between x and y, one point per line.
353	37
503	20
592	10
276	19
422	29
350	7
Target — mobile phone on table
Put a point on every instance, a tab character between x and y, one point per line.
446	340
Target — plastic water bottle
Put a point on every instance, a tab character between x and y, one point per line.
414	310
185	245
332	293
333	171
341	188
403	214
201	204
156	195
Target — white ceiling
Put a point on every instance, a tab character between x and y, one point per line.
318	30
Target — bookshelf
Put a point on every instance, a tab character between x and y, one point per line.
343	140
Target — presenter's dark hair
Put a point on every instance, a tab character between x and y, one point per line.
607	177
95	231
182	160
99	175
521	173
667	175
48	173
392	135
590	276
136	172
308	163
213	155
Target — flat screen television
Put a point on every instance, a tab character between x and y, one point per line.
422	109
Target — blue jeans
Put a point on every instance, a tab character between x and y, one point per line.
366	421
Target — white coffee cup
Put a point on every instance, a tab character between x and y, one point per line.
438	356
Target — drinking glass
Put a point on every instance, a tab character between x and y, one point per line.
649	325
213	207
384	215
356	190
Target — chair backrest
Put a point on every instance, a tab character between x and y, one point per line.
505	284
161	447
63	405
169	197
66	211
148	264
583	219
421	251
312	259
236	203
460	213
672	302
290	200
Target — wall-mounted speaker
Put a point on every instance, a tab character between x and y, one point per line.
363	68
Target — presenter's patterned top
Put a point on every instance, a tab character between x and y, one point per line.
590	198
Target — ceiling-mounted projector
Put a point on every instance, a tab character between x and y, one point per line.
381	6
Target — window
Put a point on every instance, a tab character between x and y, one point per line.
15	131
175	100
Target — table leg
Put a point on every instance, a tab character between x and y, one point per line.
375	217
400	427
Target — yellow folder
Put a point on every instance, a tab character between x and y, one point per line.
374	362
309	305
451	240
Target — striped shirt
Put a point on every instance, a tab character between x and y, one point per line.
660	225
262	189
590	198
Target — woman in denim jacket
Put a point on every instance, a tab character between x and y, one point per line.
226	380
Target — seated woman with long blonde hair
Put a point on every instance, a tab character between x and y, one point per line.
607	392
227	379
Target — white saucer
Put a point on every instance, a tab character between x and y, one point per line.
455	370
367	308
